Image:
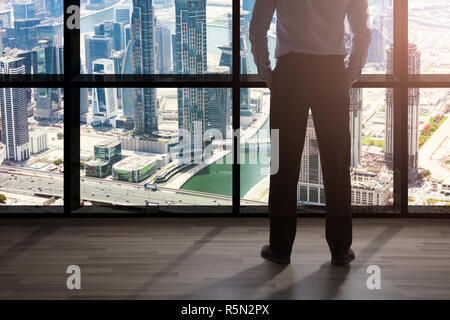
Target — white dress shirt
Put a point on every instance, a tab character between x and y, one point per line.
313	27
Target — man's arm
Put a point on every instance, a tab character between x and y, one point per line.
358	18
259	25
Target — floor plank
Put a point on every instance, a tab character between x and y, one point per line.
218	259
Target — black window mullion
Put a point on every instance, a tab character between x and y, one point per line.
236	93
71	114
400	161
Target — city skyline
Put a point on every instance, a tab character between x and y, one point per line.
194	37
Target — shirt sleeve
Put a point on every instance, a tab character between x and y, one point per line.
358	18
259	25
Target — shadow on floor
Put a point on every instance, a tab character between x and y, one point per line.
323	283
22	246
247	284
177	261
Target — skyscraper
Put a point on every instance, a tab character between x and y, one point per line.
218	110
310	186
143	62
355	125
163	40
84	102
248	6
191	59
5	17
13	106
122	14
96	47
54	8
113	30
24	10
127	94
413	110
104	101
226	57
47	98
26	33
377	45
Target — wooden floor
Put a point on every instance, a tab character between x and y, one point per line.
218	259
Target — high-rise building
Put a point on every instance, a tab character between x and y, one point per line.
310	186
26	33
356	98
118	58
113	30
413	110
59	60
122	14
24	10
377	45
7	39
218	110
52	32
127	94
143	62
191	59
248	5
84	102
226	58
29	60
127	34
54	8
5	17
13	106
47	98
164	48
104	100
96	47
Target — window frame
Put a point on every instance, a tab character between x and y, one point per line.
72	81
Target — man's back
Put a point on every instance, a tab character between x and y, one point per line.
310	26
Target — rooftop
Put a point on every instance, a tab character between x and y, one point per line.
108	143
134	163
96	162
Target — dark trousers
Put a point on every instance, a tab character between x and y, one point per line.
300	82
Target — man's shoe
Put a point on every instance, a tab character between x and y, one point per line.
341	260
268	254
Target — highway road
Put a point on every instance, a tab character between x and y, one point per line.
131	194
29	182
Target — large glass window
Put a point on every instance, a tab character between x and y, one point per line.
381	25
129	134
429	33
371	126
31	147
32	30
175	151
429	148
156	37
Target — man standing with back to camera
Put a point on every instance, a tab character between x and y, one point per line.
310	73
